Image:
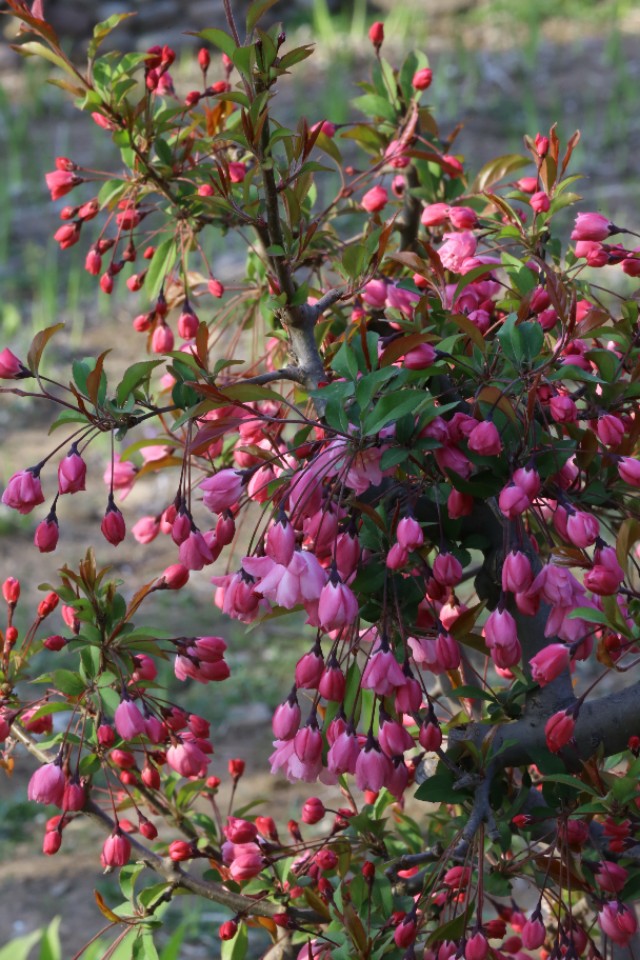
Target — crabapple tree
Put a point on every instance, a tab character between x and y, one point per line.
421	396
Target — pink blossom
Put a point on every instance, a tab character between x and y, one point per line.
463	218
375	199
374	293
382	673
373	768
447	569
195	552
618	922
533	934
146	529
582	528
409	533
420	357
563	409
128	720
485	440
629	471
332	683
528	479
222	490
61	182
72	472
549	663
517	574
435	214
610	430
246	866
540	202
187	759
557	585
513	501
10	366
602	581
24	490
456	249
280	541
113	526
500	629
309	669
610	876
286	719
558	730
393	738
343	753
307	743
116	850
47	784
120	475
476	947
422	79
47	533
591	226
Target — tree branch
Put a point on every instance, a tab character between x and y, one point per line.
164	866
603	723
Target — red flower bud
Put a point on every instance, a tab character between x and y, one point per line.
376	34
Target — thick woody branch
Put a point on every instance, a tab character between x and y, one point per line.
602	724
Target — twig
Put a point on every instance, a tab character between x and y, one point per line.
166	867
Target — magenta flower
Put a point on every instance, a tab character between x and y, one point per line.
373	768
116	850
10	366
47	784
187	759
72	472
24	490
128	720
592	226
558	730
549	663
337	606
375	199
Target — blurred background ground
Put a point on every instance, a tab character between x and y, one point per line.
503	68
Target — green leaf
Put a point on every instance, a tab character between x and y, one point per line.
102	30
133	377
391	407
496	169
128	877
375	106
257	10
393	456
50	946
345	362
589	615
522	342
219	39
161	263
472	693
38	344
20	948
68	682
172	950
67	416
440	789
570	781
236	949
